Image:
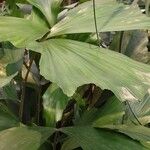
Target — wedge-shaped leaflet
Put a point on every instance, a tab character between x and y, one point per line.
38	18
111	16
71	64
19	31
49	8
89	138
23	138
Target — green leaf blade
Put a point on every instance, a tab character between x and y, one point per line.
71	64
49	8
24	137
7	119
19	31
111	16
54	103
89	138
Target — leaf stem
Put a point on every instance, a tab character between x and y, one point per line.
95	21
23	86
38	105
120	42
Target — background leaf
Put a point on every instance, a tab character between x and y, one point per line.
9	92
49	8
141	110
54	103
111	16
7	119
140	133
10	62
134	44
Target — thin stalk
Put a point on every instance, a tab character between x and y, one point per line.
39	105
120	42
23	86
55	140
22	102
95	21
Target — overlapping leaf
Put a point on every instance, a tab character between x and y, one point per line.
89	138
49	8
140	133
10	62
4	79
7	119
111	113
109	119
71	64
85	136
111	16
20	31
9	92
141	110
24	138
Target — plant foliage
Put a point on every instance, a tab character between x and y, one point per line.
74	75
